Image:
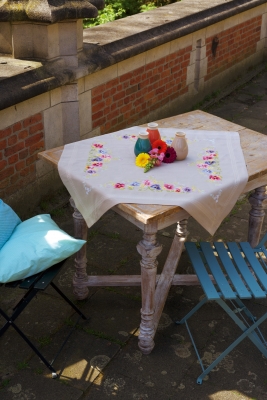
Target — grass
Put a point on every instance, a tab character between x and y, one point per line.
39	371
236	208
123	261
55	203
102	335
44	205
206	100
258	97
58	212
92	234
22	365
96	333
4	383
44	340
113	235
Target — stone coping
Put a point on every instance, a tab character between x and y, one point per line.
10	67
49	11
133	35
116	41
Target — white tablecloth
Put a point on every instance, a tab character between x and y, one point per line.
100	172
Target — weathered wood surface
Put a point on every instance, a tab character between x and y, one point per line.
80	262
149	249
258	201
135	280
166	278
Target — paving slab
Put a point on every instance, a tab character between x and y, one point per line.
26	386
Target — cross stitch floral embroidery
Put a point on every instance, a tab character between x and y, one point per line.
150	184
119	185
131	137
210	165
97	158
167	140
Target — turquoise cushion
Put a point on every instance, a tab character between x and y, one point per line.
8	222
35	245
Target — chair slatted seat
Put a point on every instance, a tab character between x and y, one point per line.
227	274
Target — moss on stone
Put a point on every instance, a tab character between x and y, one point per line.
49	10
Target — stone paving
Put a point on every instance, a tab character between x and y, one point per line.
101	360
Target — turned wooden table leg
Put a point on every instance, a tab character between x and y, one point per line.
149	249
170	266
80	262
258	201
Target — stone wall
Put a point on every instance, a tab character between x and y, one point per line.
127	74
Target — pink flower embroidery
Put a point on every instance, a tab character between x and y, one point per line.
97	164
177	190
207	157
169	187
202	165
147	183
119	185
215	178
98	145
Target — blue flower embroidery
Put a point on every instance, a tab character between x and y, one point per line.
97	159
209	162
187	189
135	184
155	186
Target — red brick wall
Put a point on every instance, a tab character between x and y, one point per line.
19	146
126	99
235	44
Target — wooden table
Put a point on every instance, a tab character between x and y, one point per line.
151	218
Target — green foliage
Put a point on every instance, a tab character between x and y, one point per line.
147	7
116	9
39	371
22	365
93	332
4	383
44	340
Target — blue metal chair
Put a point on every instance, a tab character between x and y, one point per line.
227	274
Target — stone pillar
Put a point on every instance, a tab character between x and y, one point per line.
46	42
38	30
